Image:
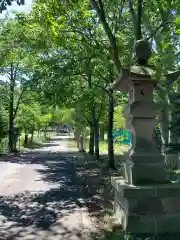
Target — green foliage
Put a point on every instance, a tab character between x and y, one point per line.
119	120
64	116
3	124
30	118
67	57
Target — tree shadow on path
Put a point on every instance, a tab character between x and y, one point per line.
48	214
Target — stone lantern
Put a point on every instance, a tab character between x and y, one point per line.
144	198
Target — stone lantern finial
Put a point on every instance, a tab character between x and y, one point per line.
142	51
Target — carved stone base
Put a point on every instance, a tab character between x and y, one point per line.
145	169
151	209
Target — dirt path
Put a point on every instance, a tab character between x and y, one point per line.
41	196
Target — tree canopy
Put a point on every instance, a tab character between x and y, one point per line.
65	55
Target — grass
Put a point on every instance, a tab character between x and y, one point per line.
37	142
118	149
103	147
38	139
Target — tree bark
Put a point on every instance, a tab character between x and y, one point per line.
111	161
139	18
25	140
96	135
101	132
91	140
77	139
45	133
12	148
112	39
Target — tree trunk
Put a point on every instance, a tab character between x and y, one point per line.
110	130
25	140
139	19
96	135
95	124
112	39
76	137
45	133
11	109
101	132
93	114
91	140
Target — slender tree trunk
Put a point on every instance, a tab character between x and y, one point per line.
91	140
110	130
101	132
45	133
112	39
93	116
139	19
11	111
96	132
26	139
77	135
77	138
96	135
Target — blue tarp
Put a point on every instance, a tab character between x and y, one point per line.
122	136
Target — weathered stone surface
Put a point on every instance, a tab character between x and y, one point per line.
150	206
143	159
171	204
154	225
144	202
142	174
141	224
169	223
142	49
141	91
145	164
147	209
132	110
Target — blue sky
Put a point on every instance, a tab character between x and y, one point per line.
14	7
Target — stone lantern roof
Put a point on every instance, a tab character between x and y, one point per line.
135	73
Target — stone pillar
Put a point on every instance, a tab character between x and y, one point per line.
145	164
145	201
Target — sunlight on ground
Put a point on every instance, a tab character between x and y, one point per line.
118	149
103	147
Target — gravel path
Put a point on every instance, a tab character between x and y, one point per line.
41	196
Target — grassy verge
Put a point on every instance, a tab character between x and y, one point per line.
103	147
118	149
37	142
